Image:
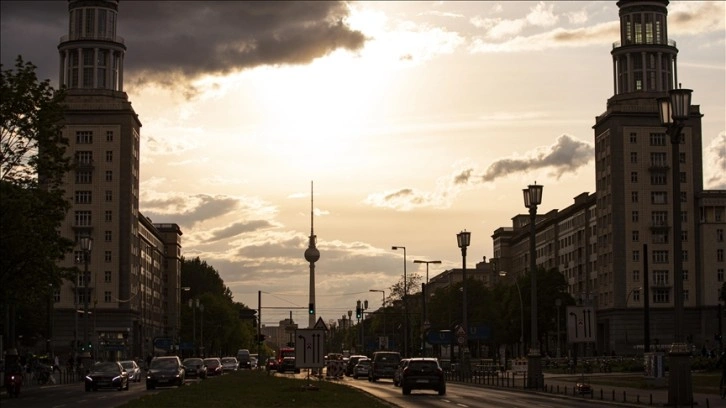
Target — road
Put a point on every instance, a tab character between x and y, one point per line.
467	396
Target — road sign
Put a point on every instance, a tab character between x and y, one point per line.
320	324
309	348
581	324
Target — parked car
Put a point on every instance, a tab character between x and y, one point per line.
288	364
423	373
166	370
194	367
362	368
214	366
399	371
384	365
253	362
230	364
108	374
352	361
132	369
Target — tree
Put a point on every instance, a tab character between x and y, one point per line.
33	206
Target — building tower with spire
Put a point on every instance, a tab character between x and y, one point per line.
634	168
134	265
312	255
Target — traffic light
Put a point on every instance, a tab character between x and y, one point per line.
311	308
357	312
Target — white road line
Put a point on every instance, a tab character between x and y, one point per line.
462	405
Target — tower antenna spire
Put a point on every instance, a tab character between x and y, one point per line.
312	255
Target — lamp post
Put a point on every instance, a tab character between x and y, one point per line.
558	303
425	323
405	301
463	239
521	312
383	305
86	243
201	341
674	111
418	261
627	298
533	198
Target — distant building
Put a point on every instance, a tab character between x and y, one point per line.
132	292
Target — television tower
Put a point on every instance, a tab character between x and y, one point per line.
312	255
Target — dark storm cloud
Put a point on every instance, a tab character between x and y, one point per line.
166	39
188	212
237	228
565	155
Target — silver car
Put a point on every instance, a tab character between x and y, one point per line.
132	369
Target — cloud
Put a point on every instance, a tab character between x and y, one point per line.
696	17
566	155
715	160
175	41
238	228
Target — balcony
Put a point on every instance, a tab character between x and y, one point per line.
661	165
83	165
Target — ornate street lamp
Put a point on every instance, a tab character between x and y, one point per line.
463	239
86	244
533	198
674	111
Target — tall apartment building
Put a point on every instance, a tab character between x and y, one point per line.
602	242
131	294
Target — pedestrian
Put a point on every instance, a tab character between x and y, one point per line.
56	364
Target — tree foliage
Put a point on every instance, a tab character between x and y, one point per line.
32	168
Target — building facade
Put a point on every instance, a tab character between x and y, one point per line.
609	244
133	266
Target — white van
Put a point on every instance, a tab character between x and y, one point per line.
243	356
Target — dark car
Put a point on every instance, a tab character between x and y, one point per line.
167	370
423	373
362	368
399	372
271	364
287	364
109	374
214	366
352	361
194	367
383	364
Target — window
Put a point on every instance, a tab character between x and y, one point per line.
107	296
109	135
719	235
83	218
684	197
661	296
83	297
109	175
682	157
636	255
83	197
683	176
84	158
84	137
634	177
107	276
658	179
658	159
659	197
107	216
719	255
109	195
107	256
56	295
634	216
685	274
107	236
719	274
633	157
633	138
636	296
685	295
659	218
660	257
83	177
636	236
684	236
634	196
109	156
684	255
659	237
657	139
636	276
660	277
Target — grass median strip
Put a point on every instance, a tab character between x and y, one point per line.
258	389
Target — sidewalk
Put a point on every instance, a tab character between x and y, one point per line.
564	385
630	396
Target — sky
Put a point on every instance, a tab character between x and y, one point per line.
414	120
